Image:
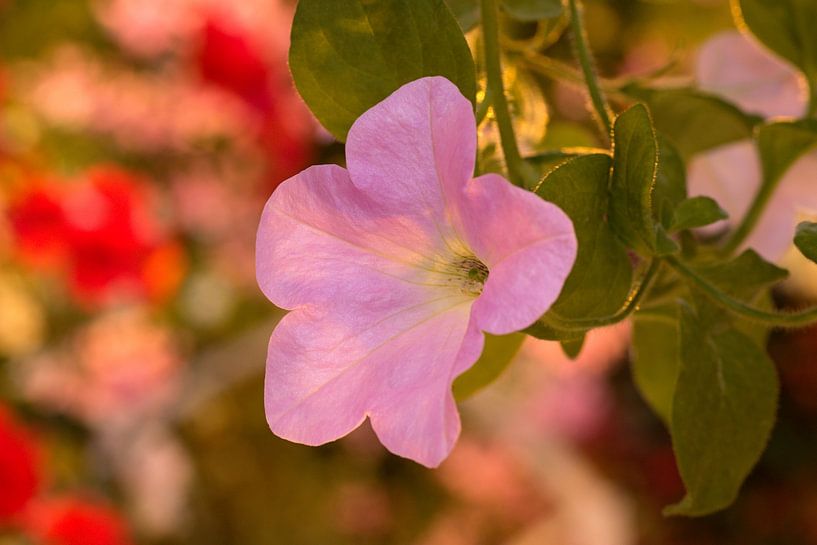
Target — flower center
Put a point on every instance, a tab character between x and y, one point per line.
473	274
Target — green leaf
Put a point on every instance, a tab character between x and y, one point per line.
466	12
693	120
697	212
635	168
497	354
786	27
722	414
655	356
532	10
546	332
744	277
806	239
572	348
780	145
670	183
348	55
600	280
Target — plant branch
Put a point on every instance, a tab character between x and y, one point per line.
518	170
582	51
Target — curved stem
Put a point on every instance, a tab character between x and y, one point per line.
634	299
778	319
518	170
750	219
582	51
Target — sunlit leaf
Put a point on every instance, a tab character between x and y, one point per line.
348	55
635	167
786	27
600	280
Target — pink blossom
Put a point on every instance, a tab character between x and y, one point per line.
735	67
739	70
117	369
393	269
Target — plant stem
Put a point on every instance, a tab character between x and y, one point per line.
635	298
778	319
582	51
751	217
518	170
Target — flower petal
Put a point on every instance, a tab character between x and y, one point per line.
528	244
729	174
414	149
794	198
733	66
321	239
328	369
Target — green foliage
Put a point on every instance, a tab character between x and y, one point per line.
697	212
497	354
635	168
722	413
532	10
744	277
348	55
806	239
468	14
781	144
655	357
693	120
670	183
786	27
572	348
600	280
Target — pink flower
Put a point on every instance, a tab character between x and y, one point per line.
393	269
734	67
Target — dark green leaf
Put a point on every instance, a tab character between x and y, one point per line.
635	167
670	183
722	414
786	27
693	120
780	145
806	239
745	276
600	280
655	357
466	12
497	354
697	212
532	10
573	348
348	55
546	332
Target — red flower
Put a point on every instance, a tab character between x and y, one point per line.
228	59
103	232
20	477
75	521
38	223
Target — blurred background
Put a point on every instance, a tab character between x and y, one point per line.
139	140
